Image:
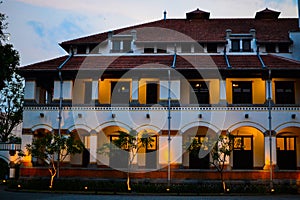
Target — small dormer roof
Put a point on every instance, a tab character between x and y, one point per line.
197	14
267	14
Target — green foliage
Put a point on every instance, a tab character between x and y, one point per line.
51	146
11	106
9	57
47	147
11	85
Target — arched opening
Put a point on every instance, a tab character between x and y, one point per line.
148	156
287	148
111	155
248	151
192	158
82	159
4	169
37	134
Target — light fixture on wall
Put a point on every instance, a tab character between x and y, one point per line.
293	116
147	115
79	115
42	115
200	116
113	115
246	116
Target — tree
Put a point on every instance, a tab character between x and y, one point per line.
11	106
9	57
11	85
48	147
220	149
131	142
220	154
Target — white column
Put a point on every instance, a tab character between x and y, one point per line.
223	99
95	91
135	90
241	45
93	148
269	91
267	151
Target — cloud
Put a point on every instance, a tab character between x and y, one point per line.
37	27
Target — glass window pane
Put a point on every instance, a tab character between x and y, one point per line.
247	144
280	144
290	144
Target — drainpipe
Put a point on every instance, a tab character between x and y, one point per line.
270	128
60	103
169	120
226	59
260	59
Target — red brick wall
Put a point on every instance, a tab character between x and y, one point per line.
162	174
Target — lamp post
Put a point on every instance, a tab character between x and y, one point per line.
270	128
169	120
60	105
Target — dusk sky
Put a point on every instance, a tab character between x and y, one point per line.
38	26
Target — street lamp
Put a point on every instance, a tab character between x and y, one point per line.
270	128
169	120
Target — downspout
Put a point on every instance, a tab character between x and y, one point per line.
60	102
226	59
169	120
269	101
260	59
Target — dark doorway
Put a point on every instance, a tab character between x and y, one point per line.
286	153
242	92
151	154
85	157
151	93
243	152
118	157
120	92
199	92
194	161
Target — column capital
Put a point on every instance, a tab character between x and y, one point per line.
267	134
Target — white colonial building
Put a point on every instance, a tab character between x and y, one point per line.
224	75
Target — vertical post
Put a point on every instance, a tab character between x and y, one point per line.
270	129
59	118
169	128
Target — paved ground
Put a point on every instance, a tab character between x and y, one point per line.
7	195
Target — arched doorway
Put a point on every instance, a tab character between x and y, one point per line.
37	134
248	150
4	169
109	154
82	159
194	142
287	144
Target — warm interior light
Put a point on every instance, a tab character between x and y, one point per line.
235	85
197	85
123	88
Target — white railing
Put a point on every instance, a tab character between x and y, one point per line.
9	146
213	108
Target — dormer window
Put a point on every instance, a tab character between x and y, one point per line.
120	43
243	42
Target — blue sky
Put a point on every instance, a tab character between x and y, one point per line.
37	26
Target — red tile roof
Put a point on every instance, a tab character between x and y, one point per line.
163	61
212	30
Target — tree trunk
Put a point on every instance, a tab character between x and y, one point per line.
223	182
53	174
